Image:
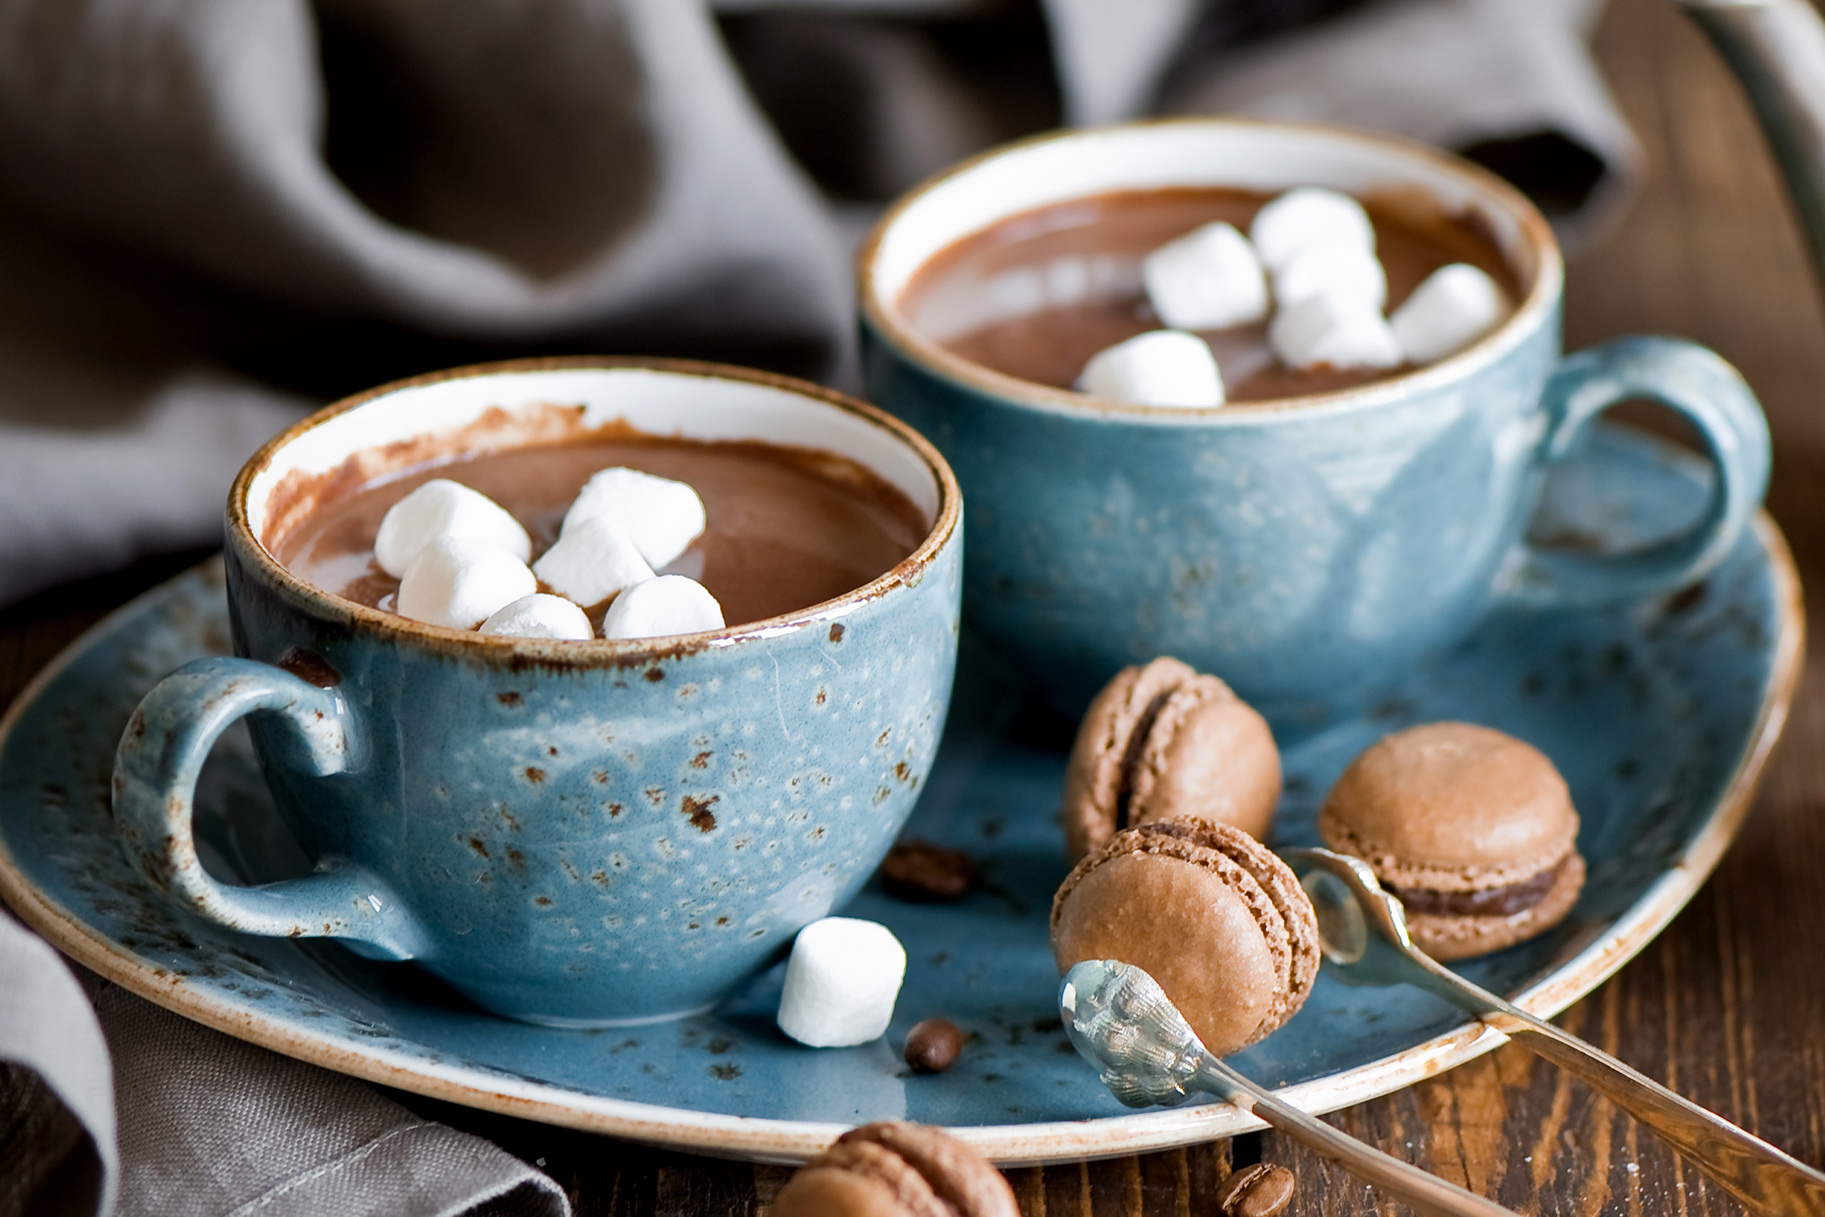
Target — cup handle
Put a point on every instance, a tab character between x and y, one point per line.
1698	384
155	771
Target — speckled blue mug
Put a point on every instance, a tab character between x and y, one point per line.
1304	549
570	833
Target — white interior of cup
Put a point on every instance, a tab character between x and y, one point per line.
658	402
1250	156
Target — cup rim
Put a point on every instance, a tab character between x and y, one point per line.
933	357
596	652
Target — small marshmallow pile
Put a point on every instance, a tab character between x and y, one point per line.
1309	261
461	561
841	982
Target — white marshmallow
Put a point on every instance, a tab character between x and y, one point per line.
1305	217
444	509
591	561
1158	368
661	516
1331	270
540	616
841	982
669	604
461	583
1208	279
1335	330
1455	306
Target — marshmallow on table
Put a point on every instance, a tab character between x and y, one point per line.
660	515
591	561
1337	330
1331	270
461	583
1455	306
1308	216
540	616
841	982
444	509
1158	368
1208	279
669	604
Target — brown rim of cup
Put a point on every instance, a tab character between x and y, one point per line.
599	652
916	347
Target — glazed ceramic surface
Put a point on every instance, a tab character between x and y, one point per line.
1307	550
1660	712
566	832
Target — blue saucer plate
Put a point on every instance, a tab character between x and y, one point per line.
1661	714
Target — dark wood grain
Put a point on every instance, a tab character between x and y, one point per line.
1728	1006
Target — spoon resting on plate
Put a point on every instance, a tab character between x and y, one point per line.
1120	1020
1362	931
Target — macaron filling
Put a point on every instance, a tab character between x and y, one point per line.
1132	754
1503	901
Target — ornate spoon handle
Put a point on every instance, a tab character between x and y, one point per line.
1120	1020
1365	937
1426	1193
1763	1177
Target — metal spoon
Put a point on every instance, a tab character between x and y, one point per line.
1121	1021
1363	930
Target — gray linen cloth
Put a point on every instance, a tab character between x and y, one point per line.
213	1127
57	1154
193	1123
216	213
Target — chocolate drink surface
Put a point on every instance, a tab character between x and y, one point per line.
787	527
1036	295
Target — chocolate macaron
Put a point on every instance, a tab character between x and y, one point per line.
896	1169
1164	741
1472	829
1208	911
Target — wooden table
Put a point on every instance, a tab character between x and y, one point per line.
1728	1006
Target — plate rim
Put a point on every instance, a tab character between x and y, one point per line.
787	1141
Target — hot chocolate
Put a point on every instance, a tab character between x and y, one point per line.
1037	294
787	527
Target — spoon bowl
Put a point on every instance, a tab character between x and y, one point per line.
1121	1021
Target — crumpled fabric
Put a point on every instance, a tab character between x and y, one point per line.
215	214
109	1103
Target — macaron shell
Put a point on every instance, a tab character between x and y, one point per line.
1174	894
901	1180
1446	937
1093	780
1209	756
1282	887
961	1177
1189	930
1451	807
827	1191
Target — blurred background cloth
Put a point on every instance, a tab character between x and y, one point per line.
215	214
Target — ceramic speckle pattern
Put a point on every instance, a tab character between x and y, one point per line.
1660	712
647	834
1307	550
571	833
1293	554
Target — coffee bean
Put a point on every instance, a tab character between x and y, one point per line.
923	873
933	1045
1261	1190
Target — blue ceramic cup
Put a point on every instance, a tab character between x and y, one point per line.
570	833
1304	549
